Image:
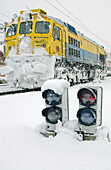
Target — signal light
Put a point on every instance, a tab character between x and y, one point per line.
87	117
90	109
56	104
51	97
87	97
52	114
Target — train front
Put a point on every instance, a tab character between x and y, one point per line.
28	56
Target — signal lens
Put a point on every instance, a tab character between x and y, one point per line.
87	97
87	117
52	98
53	114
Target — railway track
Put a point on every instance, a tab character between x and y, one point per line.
15	91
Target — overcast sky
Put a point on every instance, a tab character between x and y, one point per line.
94	14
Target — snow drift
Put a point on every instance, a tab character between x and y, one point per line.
22	147
27	70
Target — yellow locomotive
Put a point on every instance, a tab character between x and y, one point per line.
39	47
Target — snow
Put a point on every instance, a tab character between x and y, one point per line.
22	147
57	85
27	70
6	70
25	16
25	45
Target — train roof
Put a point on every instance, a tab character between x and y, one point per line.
73	30
87	38
59	21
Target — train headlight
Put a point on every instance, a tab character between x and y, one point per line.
44	45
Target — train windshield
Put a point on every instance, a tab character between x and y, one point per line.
25	28
12	30
42	27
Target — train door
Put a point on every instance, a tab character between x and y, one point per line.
11	39
57	43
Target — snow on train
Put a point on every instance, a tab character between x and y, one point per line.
40	47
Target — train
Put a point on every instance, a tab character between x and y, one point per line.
2	59
40	47
108	63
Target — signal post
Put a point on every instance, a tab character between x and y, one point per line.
55	93
90	111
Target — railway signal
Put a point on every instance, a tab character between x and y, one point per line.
56	105
1	28
90	110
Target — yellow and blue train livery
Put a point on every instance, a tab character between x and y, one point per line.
78	58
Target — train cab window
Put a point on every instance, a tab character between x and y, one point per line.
56	33
11	30
42	27
25	28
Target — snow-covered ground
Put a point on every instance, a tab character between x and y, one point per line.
22	147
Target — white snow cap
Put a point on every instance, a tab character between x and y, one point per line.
26	15
57	85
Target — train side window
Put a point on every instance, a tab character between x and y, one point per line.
71	51
78	53
56	32
71	40
12	30
74	42
78	44
74	52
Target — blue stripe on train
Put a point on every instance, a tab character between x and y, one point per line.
85	56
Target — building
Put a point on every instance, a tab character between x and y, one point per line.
108	64
2	59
